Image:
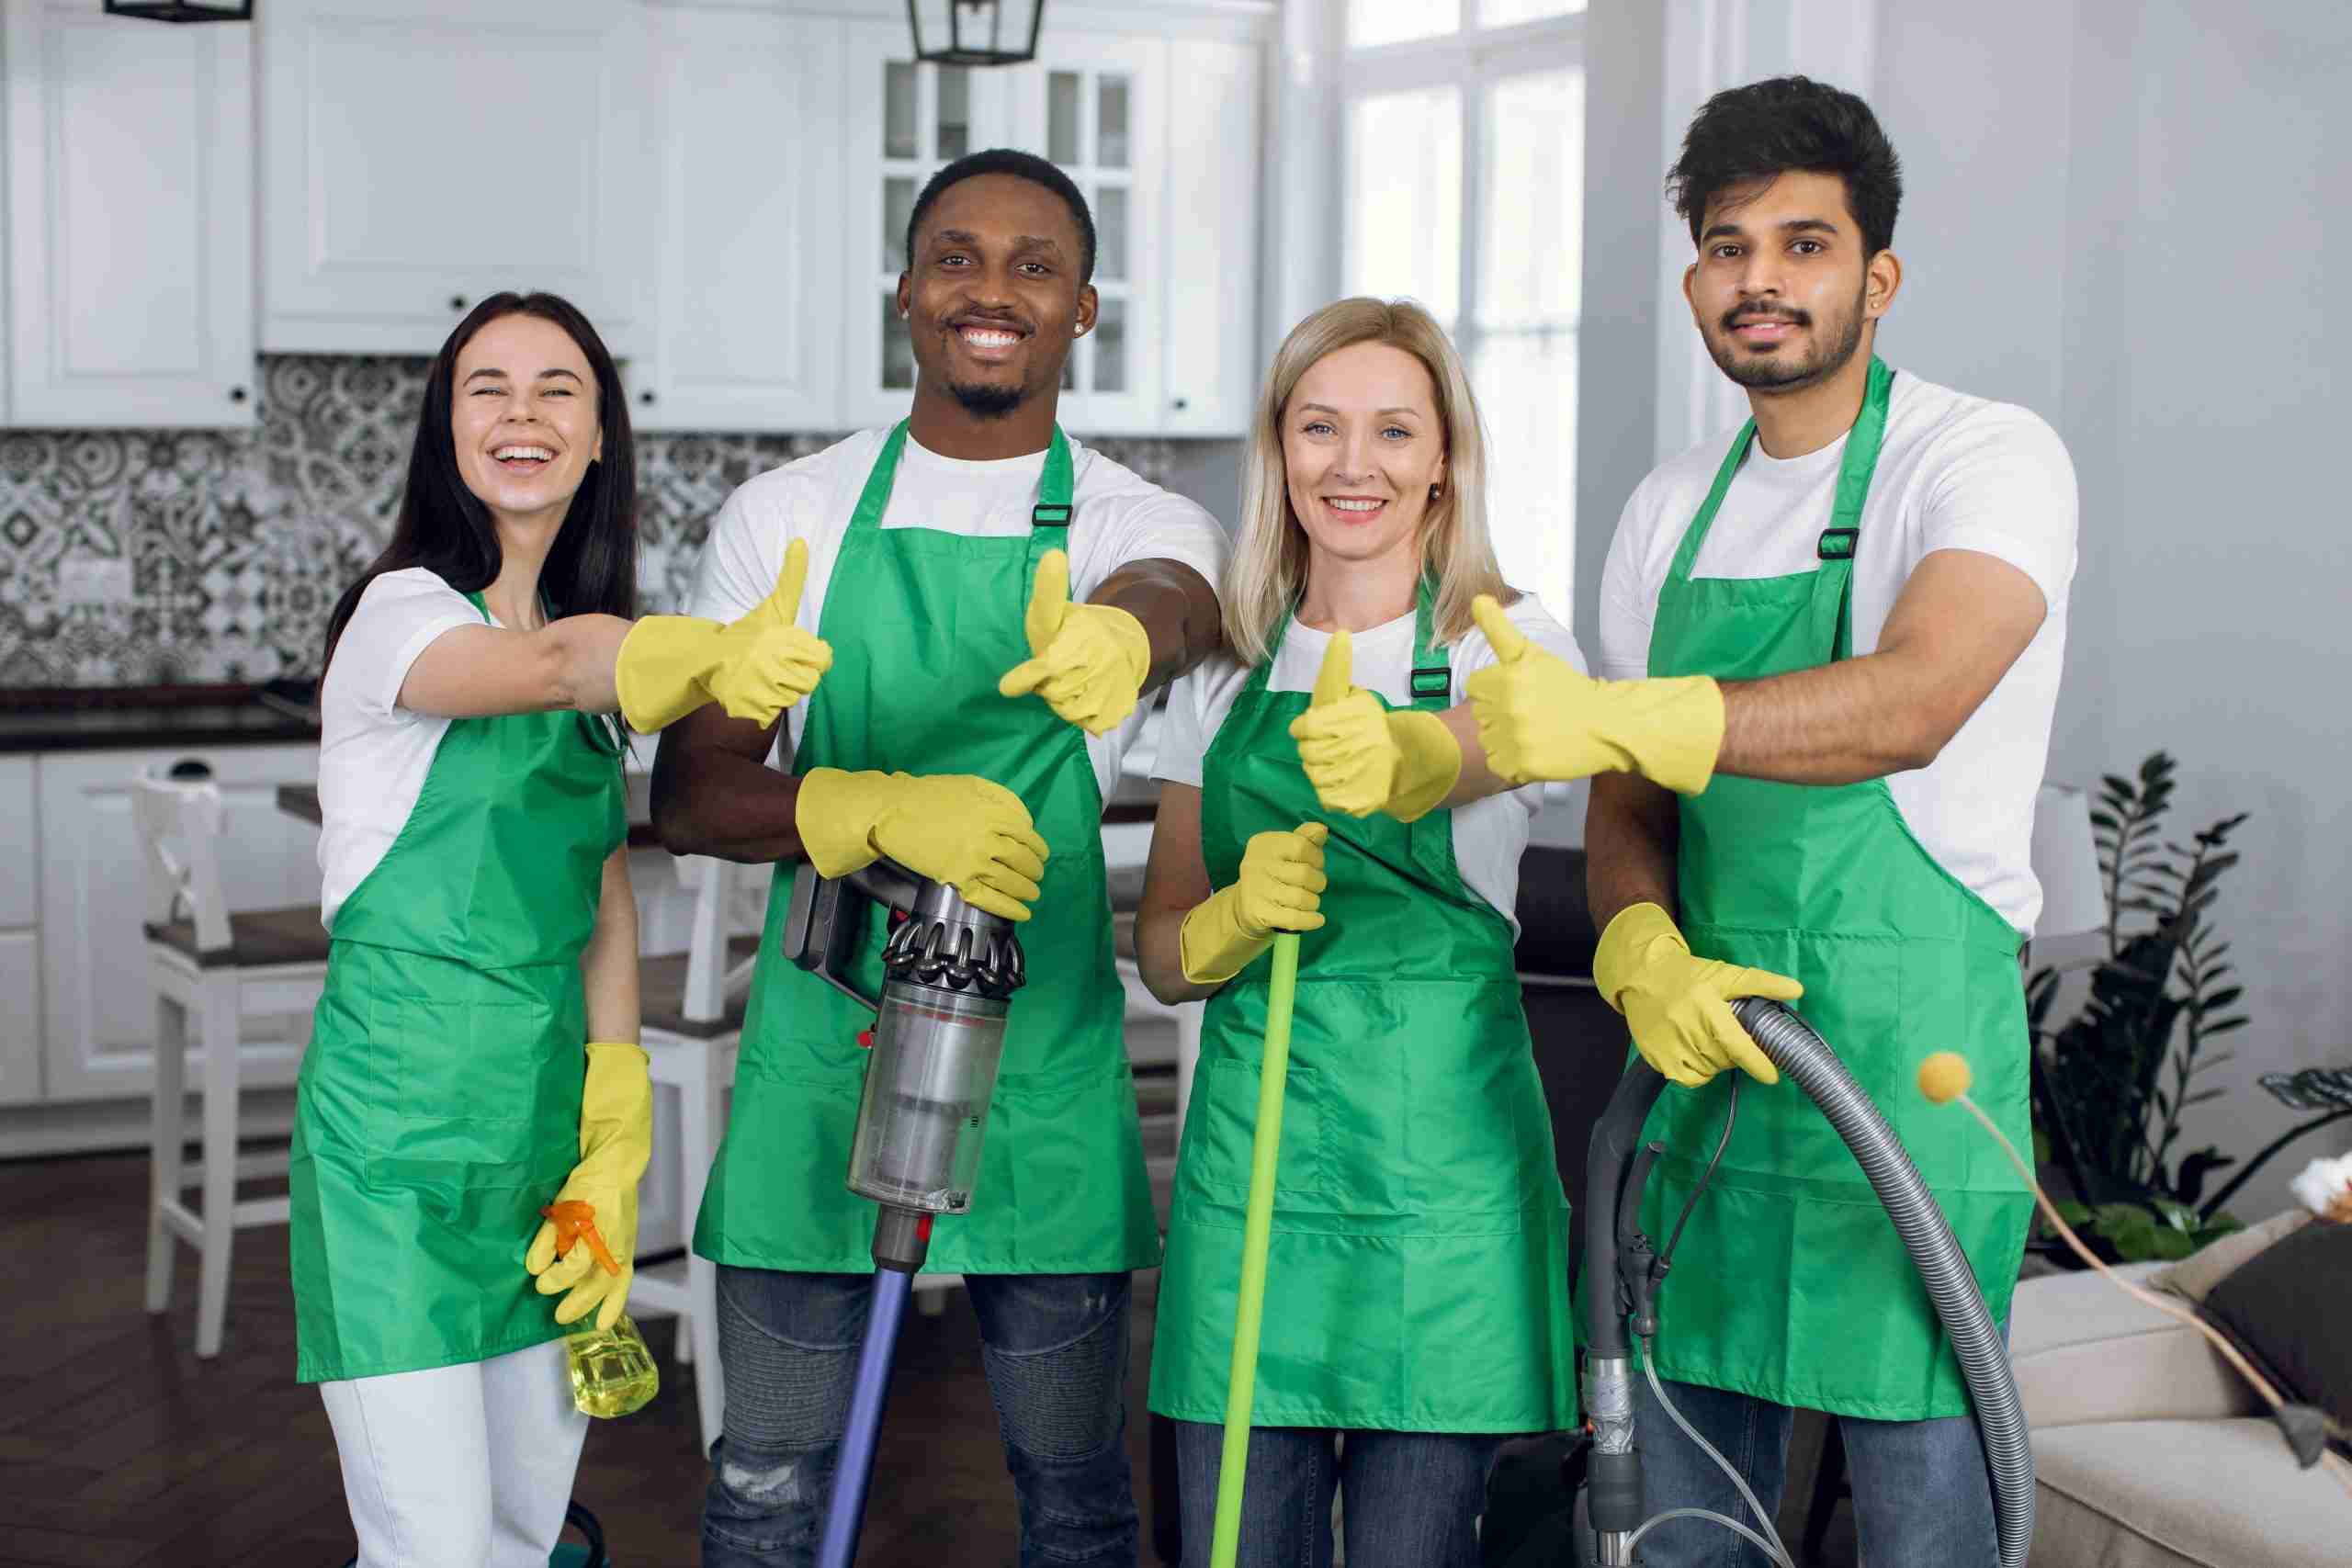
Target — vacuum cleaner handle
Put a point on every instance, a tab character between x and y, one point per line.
1609	1160
827	918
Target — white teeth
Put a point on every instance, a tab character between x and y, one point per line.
540	453
979	338
1355	505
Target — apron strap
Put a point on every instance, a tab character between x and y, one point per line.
1049	518
1836	547
1431	682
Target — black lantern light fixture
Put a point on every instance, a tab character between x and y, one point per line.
182	10
976	32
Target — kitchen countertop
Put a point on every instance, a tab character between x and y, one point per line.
140	719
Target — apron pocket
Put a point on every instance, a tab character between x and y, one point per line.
1221	1127
481	1066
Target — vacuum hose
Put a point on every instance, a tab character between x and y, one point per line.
1805	1056
1615	1164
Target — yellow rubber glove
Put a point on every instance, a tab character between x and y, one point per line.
1088	661
1363	757
753	668
615	1141
1539	717
971	833
1677	1006
1279	888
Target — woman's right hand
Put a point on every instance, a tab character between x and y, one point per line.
1281	884
1280	888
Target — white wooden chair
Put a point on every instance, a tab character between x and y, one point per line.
217	969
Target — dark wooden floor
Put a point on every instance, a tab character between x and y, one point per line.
118	1448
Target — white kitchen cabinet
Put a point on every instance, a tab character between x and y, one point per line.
1209	284
98	1008
419	154
19	939
748	127
130	219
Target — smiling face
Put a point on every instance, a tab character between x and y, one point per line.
1362	442
992	293
1781	290
524	415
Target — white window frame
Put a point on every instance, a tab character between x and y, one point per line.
1472	61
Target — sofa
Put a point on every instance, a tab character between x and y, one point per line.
2150	1449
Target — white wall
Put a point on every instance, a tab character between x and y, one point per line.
2127	219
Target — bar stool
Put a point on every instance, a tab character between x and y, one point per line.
218	968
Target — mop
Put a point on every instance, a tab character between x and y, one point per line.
1256	1227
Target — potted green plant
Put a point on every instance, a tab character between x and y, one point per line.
2111	1083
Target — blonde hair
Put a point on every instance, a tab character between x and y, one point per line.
1267	571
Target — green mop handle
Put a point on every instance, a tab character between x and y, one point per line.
1257	1226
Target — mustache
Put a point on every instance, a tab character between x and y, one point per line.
1747	313
987	318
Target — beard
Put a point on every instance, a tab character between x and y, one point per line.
987	401
1833	347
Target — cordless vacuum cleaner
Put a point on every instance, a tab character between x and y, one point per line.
949	972
1622	1271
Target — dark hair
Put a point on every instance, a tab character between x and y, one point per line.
443	526
1020	167
1767	128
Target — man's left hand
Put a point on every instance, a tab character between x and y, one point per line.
1089	661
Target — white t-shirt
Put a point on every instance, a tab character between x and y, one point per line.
374	754
1117	517
1954	472
1488	835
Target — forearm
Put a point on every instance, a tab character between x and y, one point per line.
1477	781
1632	829
608	964
1160	957
1177	610
714	794
1841	723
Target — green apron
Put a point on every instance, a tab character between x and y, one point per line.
921	623
1791	1283
1417	1276
438	1106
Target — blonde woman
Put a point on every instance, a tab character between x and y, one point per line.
1325	777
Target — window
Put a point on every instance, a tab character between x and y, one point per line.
1463	125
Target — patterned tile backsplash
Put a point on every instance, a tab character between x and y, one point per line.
239	542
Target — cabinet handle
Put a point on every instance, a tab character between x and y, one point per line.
456	302
1181	404
190	768
236	394
646	396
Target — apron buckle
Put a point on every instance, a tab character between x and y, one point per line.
1838	544
1047	514
1431	680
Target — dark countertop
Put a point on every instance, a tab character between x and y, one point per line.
123	721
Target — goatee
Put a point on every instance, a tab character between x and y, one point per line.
1773	374
987	401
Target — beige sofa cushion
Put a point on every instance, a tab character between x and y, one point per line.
2084	1351
2183	1495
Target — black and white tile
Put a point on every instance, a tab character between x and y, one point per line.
239	542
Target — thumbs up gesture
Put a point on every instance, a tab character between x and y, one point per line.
1088	661
765	662
1541	717
1361	757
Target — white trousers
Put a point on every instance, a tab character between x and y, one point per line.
459	1467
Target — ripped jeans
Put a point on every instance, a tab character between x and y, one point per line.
1055	1347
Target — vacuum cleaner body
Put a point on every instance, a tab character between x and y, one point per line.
949	972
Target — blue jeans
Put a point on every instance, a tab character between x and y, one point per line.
1055	1347
1410	1499
1921	1490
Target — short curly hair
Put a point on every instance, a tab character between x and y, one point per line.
1766	129
1020	165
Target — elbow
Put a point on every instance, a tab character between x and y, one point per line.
1920	746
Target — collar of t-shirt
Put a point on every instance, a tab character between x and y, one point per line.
964	496
1378	651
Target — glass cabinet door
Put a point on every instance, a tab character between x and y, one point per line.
907	121
1095	108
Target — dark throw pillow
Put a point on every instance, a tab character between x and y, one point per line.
2291	1309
